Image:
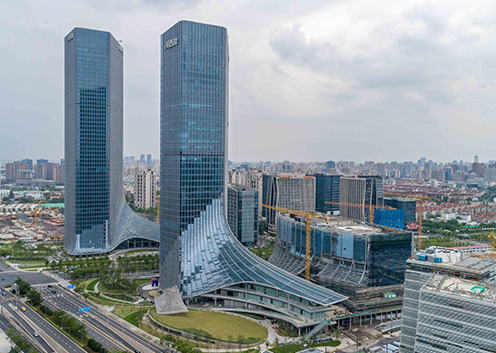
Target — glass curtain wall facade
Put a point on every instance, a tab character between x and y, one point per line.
97	216
326	190
198	252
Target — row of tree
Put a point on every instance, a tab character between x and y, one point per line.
21	344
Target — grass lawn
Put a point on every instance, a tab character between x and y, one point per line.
290	348
30	263
138	251
139	282
92	284
220	325
135	317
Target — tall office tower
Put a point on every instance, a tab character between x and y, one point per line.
149	160
476	159
294	191
198	253
363	190
42	161
145	189
97	216
28	162
142	159
326	190
242	213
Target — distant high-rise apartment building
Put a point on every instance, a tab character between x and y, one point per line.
294	191
149	161
145	189
330	165
12	170
41	161
490	175
40	171
363	190
242	213
97	217
28	162
326	190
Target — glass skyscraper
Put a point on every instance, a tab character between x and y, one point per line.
198	252
97	217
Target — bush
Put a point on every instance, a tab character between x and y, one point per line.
95	346
45	309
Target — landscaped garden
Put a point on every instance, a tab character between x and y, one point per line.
215	325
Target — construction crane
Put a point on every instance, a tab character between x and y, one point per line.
56	223
37	212
420	200
308	221
492	236
372	207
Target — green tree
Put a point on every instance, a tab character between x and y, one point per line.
24	286
35	297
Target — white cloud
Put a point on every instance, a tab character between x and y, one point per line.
310	80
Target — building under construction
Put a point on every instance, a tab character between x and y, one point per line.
365	262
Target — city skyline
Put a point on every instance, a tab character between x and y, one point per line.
402	98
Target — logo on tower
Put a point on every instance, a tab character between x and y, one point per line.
170	43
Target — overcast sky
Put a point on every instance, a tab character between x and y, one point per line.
309	80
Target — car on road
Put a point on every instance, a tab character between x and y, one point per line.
23	308
35	334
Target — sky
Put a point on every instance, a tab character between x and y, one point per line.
310	80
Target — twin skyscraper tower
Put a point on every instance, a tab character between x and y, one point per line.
198	252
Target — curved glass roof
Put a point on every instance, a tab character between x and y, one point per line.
212	258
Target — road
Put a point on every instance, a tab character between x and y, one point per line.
59	340
112	330
101	328
5	325
29	318
9	275
57	301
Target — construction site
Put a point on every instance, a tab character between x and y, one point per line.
31	222
363	261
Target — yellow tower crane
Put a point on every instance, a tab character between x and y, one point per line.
56	223
371	207
420	200
37	212
308	221
492	236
